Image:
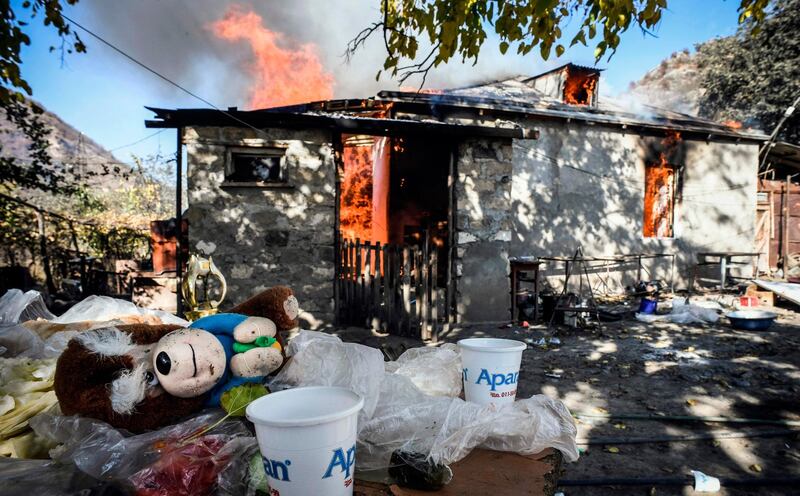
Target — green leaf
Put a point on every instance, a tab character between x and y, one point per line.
559	50
503	47
235	400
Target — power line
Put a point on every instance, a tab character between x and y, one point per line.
156	73
138	141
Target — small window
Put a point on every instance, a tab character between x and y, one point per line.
659	201
256	165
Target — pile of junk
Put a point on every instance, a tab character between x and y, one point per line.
109	399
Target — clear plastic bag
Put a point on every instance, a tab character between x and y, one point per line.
104	308
170	461
398	416
17	307
435	371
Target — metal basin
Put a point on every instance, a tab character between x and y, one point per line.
751	320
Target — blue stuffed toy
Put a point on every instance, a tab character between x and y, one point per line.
215	354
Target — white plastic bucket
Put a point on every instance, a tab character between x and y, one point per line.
490	370
307	438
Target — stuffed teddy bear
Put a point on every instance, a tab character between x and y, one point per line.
140	377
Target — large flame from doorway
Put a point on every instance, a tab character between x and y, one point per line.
283	74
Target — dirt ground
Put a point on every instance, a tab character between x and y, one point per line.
666	369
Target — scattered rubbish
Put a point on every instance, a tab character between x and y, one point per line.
787	290
683	313
648	305
612	449
552	375
397	415
755	468
705	483
415	471
525	324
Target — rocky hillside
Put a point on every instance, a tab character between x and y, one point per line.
673	85
117	192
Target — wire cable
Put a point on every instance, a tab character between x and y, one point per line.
138	141
156	73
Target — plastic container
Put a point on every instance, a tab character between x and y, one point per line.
490	370
648	306
307	438
751	320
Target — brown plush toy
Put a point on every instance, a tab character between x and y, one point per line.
277	304
107	374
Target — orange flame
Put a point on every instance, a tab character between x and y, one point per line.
284	74
733	124
355	204
659	191
364	189
579	87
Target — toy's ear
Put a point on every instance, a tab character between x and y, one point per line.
277	304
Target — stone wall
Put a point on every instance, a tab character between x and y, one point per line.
557	208
484	229
261	236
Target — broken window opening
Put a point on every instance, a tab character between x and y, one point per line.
659	201
256	165
580	86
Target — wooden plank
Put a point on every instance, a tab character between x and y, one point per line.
485	472
359	283
366	302
406	291
394	312
376	288
434	295
387	287
786	290
351	287
424	291
417	285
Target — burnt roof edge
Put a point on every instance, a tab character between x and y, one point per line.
697	128
260	119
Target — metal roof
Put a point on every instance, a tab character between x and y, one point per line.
512	100
344	123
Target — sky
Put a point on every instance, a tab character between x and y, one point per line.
103	95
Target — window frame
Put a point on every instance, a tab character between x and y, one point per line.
268	150
673	201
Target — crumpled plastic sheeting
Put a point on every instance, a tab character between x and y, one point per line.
683	314
401	416
17	307
48	478
323	360
104	308
435	371
156	462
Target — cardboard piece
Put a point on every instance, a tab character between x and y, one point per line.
485	472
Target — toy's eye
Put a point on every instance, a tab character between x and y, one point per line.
163	363
150	378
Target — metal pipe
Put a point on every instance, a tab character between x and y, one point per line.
179	218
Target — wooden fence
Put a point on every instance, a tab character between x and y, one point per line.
391	288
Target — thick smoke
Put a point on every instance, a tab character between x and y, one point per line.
174	38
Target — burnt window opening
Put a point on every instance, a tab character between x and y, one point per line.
659	201
260	166
580	86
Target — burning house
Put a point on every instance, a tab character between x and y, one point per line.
440	189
